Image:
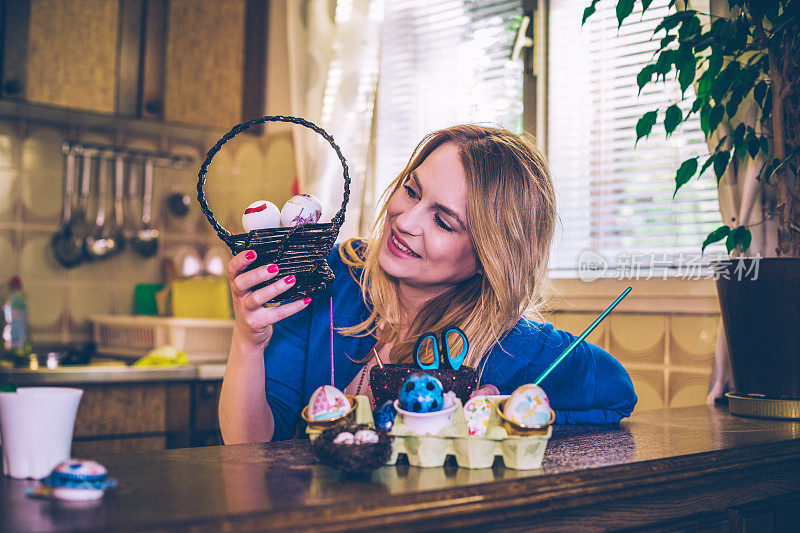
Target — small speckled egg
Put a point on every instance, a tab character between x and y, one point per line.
385	415
528	407
345	437
261	215
421	393
301	209
327	403
365	436
477	412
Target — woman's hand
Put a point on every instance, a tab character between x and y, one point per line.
253	325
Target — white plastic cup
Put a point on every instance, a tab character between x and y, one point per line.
36	426
426	423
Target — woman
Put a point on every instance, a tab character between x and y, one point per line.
463	239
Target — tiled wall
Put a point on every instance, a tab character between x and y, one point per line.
248	168
669	356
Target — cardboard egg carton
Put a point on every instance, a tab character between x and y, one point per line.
518	452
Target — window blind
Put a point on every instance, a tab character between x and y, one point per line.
613	199
444	63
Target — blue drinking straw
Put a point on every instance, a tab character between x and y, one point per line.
578	340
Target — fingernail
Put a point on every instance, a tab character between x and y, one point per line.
289	279
272	269
250	255
306	301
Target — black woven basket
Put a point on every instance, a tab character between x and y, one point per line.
300	250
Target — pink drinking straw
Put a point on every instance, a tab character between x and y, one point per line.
377	357
332	382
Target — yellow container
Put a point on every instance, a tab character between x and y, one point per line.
206	297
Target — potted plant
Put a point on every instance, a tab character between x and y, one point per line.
743	53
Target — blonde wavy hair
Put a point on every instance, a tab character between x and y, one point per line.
511	216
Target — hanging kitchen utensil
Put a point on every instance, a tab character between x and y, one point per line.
67	248
100	244
145	240
117	226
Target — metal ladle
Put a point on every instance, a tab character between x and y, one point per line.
66	244
145	239
100	243
117	229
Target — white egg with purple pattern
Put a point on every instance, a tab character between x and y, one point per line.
261	215
528	407
301	209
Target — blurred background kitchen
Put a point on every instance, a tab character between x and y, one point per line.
100	96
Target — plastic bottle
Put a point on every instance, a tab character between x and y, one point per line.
16	341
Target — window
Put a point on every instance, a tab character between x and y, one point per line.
444	63
613	199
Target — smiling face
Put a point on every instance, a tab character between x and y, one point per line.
425	242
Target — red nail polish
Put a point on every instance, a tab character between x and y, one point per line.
289	280
250	255
272	269
306	301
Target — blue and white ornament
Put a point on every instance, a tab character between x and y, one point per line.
75	480
385	415
421	393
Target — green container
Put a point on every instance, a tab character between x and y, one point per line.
144	298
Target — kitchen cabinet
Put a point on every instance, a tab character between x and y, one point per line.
124	417
197	62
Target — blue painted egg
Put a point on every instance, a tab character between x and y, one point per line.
421	393
384	416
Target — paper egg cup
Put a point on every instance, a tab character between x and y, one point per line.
426	423
320	425
513	428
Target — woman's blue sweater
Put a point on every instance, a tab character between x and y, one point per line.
589	386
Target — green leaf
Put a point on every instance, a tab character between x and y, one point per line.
672	118
707	164
752	143
696	105
739	236
764	145
715	61
716	236
645	76
760	92
624	8
666	40
589	11
705	120
684	174
716	116
645	125
646	5
690	27
704	86
721	163
665	61
686	72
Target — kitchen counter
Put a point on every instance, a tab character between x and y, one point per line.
111	373
677	469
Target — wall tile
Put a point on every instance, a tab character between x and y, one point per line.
37	261
693	340
649	387
687	388
576	323
8	256
42	174
85	302
637	337
45	306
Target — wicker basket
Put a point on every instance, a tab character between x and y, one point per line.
300	250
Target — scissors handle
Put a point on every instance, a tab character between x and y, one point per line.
418	346
455	362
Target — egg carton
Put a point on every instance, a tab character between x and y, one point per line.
427	451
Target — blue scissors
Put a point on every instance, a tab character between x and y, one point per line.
453	362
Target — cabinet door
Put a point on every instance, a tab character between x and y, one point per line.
72	54
204	63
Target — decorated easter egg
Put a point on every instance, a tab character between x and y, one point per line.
261	215
421	393
301	209
477	412
327	403
365	436
345	437
384	416
528	407
77	480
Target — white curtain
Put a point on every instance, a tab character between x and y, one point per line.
333	49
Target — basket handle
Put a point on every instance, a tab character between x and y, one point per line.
226	235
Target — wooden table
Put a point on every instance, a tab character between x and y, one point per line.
676	469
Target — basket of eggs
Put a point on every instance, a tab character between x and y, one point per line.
292	237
